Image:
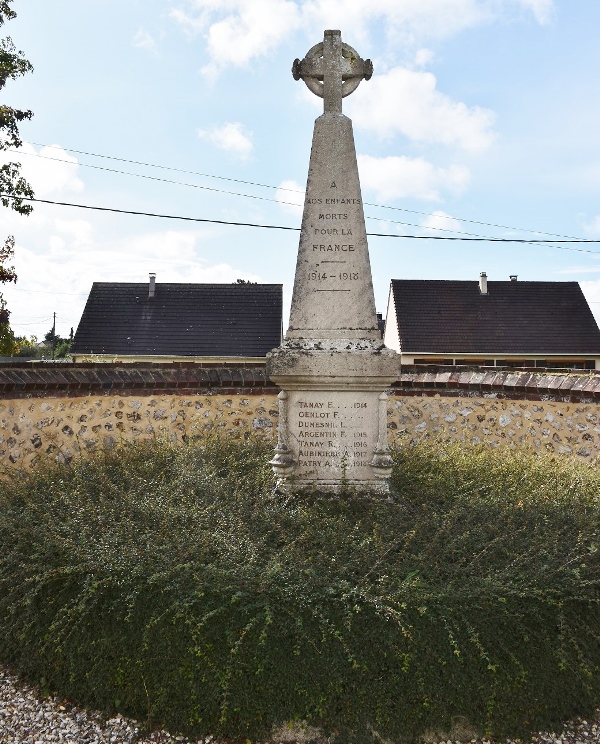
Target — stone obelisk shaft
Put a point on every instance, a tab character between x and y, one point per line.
333	291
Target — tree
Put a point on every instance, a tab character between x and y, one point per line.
60	348
13	187
8	344
13	64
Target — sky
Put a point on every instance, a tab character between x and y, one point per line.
481	119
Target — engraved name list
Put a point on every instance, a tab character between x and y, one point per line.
332	430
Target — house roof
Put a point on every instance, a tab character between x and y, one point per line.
514	317
238	320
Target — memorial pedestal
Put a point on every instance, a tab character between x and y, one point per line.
332	432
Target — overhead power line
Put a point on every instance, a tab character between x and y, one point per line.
224	191
162	167
237	193
150	214
266	186
161	180
297	229
37	323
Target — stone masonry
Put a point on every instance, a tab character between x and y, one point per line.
59	410
31	429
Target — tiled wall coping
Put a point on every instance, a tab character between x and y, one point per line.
57	379
530	384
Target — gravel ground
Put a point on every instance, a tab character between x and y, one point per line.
27	718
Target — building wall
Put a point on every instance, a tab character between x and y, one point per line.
391	336
60	410
518	361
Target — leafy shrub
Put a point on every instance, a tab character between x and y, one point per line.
173	584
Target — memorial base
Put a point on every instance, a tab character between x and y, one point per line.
325	488
332	432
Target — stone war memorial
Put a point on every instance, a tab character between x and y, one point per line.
333	368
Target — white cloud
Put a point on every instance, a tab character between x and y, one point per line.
57	246
291	197
441	221
51	172
593	228
231	137
79	231
423	57
242	30
543	10
407	23
143	40
408	102
237	31
396	177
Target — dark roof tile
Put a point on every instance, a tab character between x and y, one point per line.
453	317
207	320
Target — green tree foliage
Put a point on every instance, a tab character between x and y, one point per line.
27	347
13	187
62	349
13	64
57	347
31	348
8	344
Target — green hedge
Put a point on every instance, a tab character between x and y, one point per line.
173	584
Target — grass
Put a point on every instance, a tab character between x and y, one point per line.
173	584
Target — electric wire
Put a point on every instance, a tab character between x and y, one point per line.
162	167
470	236
39	322
150	214
160	180
549	243
232	193
235	193
268	186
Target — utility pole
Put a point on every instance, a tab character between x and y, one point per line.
53	333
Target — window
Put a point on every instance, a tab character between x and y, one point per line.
427	360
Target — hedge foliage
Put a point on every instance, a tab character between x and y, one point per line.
173	584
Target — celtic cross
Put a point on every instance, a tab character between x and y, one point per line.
332	70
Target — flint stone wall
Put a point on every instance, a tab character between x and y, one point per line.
59	410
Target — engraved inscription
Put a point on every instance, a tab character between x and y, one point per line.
333	217
327	224
333	431
342	276
334	247
332	201
332	231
